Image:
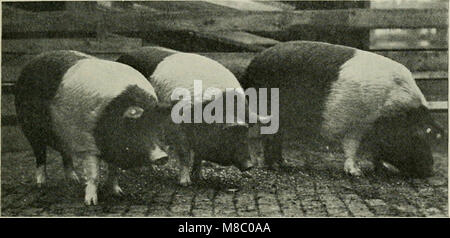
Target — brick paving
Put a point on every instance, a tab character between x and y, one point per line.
313	185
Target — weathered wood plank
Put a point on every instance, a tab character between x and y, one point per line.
250	5
113	43
407	39
434	89
276	21
148	21
250	42
15	21
193	41
439	106
430	75
419	60
188	6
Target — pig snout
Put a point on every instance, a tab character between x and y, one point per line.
245	164
158	156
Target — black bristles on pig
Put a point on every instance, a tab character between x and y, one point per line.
361	100
225	144
89	108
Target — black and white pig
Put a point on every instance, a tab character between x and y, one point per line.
222	143
365	102
91	109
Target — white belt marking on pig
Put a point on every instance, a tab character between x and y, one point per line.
369	85
85	90
181	69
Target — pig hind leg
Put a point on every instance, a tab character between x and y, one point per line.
350	145
35	125
40	152
69	171
186	165
38	142
273	150
197	169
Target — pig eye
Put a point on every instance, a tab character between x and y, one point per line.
133	112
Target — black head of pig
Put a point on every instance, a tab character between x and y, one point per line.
404	140
224	144
127	130
236	137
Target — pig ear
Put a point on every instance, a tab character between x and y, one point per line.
133	112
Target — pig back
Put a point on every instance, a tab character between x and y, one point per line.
303	72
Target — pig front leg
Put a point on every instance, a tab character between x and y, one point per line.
113	180
350	145
273	150
197	170
91	172
69	171
186	164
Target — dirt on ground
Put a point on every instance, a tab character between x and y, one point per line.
313	184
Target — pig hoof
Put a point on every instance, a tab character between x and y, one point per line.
41	177
71	176
352	169
91	196
91	199
185	182
41	180
117	190
40	185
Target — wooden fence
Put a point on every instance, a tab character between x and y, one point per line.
228	35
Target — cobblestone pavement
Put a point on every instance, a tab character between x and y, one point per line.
313	185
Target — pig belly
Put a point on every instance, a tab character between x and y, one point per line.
300	114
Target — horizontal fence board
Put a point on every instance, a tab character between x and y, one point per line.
87	45
407	39
194	41
251	42
430	75
94	20
419	60
434	90
23	23
441	106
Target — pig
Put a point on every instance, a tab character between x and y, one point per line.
367	104
223	143
88	108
